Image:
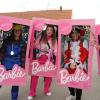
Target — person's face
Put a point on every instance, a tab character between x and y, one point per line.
73	65
75	37
17	33
49	31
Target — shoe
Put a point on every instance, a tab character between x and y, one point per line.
70	97
30	97
48	93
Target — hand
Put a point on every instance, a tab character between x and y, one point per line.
97	47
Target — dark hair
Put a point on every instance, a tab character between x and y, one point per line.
44	35
12	37
72	31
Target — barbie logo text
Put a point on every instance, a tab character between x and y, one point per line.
79	76
36	67
16	72
3	25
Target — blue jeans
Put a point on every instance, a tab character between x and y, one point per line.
14	92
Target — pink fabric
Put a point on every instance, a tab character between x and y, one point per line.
47	84
34	82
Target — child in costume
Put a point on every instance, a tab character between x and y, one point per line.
74	57
13	52
46	42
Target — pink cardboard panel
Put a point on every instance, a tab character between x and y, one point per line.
43	49
97	32
75	53
14	50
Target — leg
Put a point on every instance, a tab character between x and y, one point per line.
72	91
14	92
47	84
78	94
33	85
72	94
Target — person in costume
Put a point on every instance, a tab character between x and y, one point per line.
76	53
45	43
75	57
13	52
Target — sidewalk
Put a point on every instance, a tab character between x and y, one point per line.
58	92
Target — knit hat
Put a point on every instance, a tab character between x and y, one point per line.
17	27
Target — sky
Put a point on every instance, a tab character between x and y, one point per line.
82	9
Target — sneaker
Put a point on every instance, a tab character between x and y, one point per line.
48	93
70	97
30	97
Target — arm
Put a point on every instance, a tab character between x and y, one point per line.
84	55
36	42
55	48
67	55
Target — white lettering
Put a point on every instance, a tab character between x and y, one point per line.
79	76
16	72
36	67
